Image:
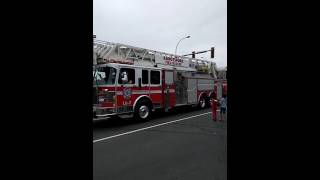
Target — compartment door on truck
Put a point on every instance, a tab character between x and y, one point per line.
192	91
169	90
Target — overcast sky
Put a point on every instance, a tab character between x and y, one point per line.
160	24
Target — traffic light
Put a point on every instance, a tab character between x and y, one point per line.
193	54
212	52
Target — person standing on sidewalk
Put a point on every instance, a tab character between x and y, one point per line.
223	107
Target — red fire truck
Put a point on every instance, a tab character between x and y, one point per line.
133	82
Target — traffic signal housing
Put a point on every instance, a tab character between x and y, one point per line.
212	52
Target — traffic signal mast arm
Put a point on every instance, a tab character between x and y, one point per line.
200	52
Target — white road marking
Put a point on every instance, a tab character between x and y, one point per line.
110	137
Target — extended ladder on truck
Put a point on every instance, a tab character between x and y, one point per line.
108	52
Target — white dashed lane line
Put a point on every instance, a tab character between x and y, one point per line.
149	127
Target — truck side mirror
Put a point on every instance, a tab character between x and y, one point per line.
139	82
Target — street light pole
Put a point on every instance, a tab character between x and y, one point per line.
175	52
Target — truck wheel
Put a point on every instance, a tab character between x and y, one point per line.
142	111
202	102
208	102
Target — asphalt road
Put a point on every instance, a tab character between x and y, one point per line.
190	148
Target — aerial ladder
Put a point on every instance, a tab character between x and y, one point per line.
109	52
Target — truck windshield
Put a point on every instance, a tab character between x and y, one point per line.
104	75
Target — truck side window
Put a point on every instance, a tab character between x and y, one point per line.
145	77
127	73
155	77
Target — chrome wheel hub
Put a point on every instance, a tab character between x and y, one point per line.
143	111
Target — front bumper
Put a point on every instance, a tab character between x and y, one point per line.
106	113
103	113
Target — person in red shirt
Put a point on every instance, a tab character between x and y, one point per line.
214	105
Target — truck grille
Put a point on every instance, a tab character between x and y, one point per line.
109	96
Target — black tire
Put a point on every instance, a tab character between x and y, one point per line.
208	102
142	111
202	102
